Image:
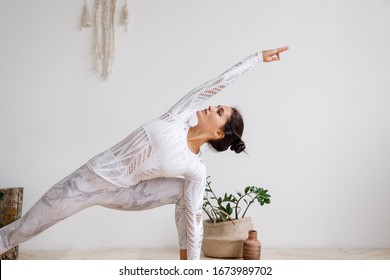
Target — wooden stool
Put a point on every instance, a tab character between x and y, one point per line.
11	200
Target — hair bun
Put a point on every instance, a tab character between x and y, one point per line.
238	146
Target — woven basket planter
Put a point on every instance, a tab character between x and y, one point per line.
225	239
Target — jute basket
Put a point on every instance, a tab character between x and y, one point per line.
225	239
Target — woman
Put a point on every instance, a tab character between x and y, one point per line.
141	172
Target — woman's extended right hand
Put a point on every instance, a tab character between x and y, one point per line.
274	54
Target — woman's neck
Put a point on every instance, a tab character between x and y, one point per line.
196	138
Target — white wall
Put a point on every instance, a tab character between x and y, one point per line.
317	123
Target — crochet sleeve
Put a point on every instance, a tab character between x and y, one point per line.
193	197
187	106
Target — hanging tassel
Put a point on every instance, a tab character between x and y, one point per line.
125	16
86	17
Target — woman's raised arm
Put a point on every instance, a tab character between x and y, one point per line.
187	106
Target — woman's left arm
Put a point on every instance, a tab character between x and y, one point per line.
187	106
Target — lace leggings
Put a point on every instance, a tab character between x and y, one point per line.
82	189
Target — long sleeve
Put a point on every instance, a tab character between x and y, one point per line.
186	107
193	198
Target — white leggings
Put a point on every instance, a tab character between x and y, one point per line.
83	188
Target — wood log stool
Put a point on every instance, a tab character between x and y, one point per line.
11	201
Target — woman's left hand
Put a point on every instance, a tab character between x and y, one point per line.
274	54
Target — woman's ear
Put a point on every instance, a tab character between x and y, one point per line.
219	134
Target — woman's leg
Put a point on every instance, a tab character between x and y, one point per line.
83	189
151	194
72	194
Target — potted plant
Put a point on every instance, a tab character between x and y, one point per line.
227	226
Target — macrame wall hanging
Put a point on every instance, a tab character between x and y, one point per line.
104	32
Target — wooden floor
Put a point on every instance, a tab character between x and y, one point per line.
172	254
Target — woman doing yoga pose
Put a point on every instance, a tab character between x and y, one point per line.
142	171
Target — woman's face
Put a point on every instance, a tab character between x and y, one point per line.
214	118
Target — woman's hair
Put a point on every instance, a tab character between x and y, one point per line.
233	130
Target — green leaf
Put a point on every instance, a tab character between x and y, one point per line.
229	209
226	198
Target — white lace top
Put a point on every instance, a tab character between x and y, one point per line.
159	149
